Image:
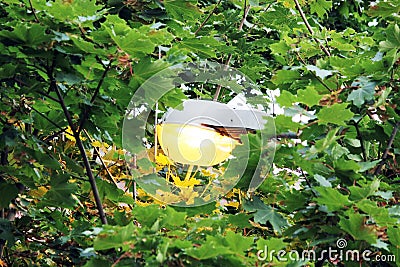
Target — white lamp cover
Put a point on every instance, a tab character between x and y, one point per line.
198	112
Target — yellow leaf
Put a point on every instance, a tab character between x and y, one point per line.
186	183
140	192
232	204
208	173
69	134
236	191
230	194
110	155
167	197
216	211
207	198
96	144
142	204
38	193
188	195
163	160
204	228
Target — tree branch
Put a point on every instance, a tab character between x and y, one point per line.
63	130
240	28
33	11
207	18
246	12
389	146
52	122
312	73
359	136
288	135
48	96
92	181
96	92
219	87
101	160
308	182
323	48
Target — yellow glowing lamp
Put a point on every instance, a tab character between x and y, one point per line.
194	145
204	133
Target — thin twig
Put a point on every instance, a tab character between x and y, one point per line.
360	138
323	48
48	96
96	92
33	11
389	146
207	18
63	130
312	73
218	90
288	135
240	28
92	181
101	159
103	76
308	182
246	12
52	122
127	254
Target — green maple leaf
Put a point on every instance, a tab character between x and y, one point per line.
331	198
336	114
264	213
308	96
365	92
285	76
320	7
286	99
182	10
354	224
237	242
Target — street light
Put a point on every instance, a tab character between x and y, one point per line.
204	132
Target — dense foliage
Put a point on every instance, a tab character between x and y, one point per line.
69	68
